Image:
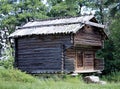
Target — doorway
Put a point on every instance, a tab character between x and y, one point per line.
79	60
85	60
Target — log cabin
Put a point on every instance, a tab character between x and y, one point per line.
59	45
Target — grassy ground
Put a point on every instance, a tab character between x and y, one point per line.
50	84
14	79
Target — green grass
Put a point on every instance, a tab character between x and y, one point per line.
15	75
14	79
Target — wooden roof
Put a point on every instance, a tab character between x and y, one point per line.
55	26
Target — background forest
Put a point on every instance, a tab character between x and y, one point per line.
14	13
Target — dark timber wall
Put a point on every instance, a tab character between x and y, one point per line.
39	54
88	40
88	36
69	60
89	57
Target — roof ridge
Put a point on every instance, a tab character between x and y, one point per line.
58	24
60	21
61	17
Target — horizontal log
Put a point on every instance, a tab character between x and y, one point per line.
41	53
40	61
38	45
39	56
88	38
53	37
41	48
45	70
40	65
43	41
91	34
88	43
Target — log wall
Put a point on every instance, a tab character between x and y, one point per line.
88	36
41	54
89	57
69	65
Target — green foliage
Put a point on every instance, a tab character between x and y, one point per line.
15	75
8	64
114	6
61	77
54	2
108	53
8	59
17	14
115	36
69	82
5	7
62	9
112	47
113	77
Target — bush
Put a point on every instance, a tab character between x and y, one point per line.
8	64
7	59
15	75
113	77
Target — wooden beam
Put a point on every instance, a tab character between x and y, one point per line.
94	24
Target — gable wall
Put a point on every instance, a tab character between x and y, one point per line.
88	36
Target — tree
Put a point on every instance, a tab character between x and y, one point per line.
115	36
54	2
111	50
62	9
114	6
16	14
13	14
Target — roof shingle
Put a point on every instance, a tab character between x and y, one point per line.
64	25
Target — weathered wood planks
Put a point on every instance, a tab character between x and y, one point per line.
69	60
87	36
41	52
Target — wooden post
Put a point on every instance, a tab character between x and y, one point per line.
16	53
63	59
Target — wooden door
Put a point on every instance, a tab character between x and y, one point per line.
89	60
79	60
84	60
